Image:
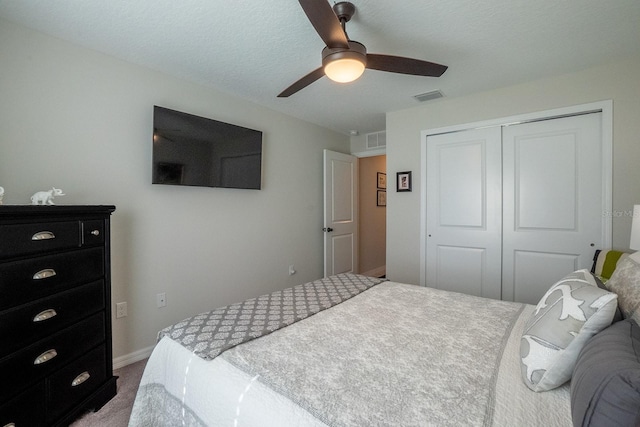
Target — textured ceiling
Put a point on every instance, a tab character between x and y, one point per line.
255	49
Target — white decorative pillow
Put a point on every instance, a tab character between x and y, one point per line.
572	311
625	282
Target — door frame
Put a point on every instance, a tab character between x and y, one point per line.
605	107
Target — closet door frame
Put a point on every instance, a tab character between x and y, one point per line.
605	107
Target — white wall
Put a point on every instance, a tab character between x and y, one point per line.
617	81
359	143
80	120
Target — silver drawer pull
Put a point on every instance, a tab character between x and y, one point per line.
80	379
96	232
43	274
43	235
45	315
45	357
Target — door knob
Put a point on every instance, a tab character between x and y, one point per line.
327	229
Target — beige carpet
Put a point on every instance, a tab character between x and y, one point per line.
117	411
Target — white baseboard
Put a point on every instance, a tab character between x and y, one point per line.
128	359
376	272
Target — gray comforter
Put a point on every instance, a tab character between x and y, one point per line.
394	355
389	354
209	334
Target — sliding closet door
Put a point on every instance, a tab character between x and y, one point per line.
552	202
464	212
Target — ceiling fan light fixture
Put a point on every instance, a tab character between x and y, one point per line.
344	70
344	65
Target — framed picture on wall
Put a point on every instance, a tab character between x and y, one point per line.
403	181
382	198
382	180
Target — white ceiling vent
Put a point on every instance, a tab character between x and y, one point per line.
428	96
376	140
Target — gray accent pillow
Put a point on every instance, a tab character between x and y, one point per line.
625	282
572	311
605	388
618	316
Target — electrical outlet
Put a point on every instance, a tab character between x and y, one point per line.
121	310
161	300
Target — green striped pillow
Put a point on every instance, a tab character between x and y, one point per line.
605	261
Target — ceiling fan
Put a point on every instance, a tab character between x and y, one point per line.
344	60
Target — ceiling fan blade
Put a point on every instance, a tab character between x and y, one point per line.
302	83
402	65
326	23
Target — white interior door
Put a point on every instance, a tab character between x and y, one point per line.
553	202
464	212
340	213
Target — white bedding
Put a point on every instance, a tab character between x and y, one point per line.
179	387
219	393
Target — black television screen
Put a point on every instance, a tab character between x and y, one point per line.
192	150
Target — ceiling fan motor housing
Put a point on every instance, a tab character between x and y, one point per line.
355	51
344	10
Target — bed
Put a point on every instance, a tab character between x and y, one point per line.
349	350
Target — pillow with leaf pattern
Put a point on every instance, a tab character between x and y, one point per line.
572	311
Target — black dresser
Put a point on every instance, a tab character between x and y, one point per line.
55	313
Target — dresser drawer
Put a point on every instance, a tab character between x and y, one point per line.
23	368
31	322
92	233
26	409
71	384
34	238
26	280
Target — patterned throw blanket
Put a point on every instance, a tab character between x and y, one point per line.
209	334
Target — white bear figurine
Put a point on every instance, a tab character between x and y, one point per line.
46	197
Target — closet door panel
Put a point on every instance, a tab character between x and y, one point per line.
552	198
545	174
527	272
462	178
464	212
456	279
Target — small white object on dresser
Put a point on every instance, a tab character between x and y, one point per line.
46	197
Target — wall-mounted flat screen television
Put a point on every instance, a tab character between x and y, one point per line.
192	150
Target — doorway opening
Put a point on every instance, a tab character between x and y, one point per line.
372	215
